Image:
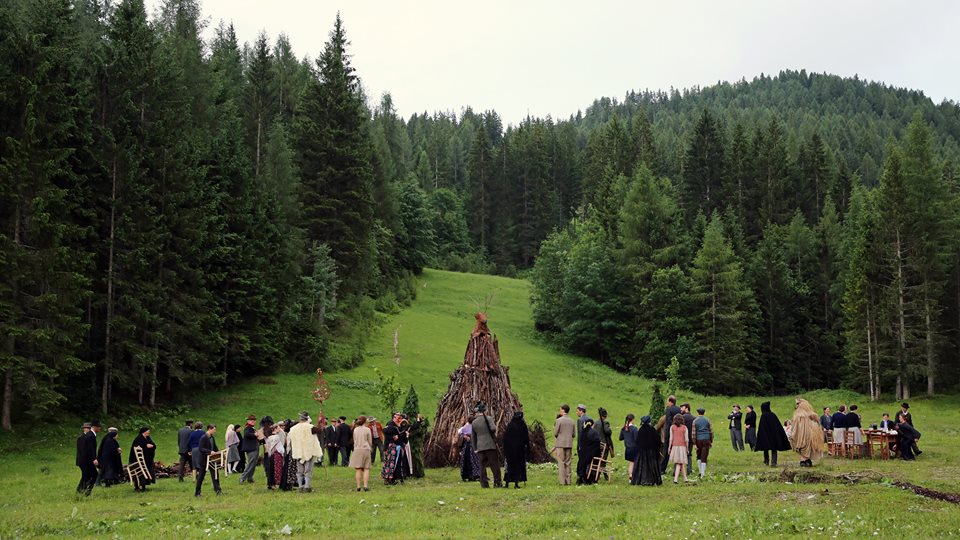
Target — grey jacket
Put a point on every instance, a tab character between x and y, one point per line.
484	433
563	430
183	439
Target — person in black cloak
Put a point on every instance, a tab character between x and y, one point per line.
590	449
646	466
469	460
771	438
111	464
907	437
516	447
144	441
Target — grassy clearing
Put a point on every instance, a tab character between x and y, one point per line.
38	476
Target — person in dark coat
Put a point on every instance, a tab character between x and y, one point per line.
144	441
330	441
590	448
111	465
671	411
87	458
906	437
207	446
750	427
646	465
908	418
344	440
183	446
628	434
249	447
516	447
771	438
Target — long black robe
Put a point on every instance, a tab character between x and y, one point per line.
516	446
646	466
111	464
770	433
906	437
750	433
589	449
148	454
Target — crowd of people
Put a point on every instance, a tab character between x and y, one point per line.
290	450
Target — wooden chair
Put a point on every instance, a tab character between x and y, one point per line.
599	465
217	461
828	441
138	472
850	446
879	446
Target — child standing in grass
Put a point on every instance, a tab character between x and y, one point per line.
679	439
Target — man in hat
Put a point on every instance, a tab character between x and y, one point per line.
183	446
344	440
87	457
250	446
304	450
376	429
563	432
485	437
905	411
205	447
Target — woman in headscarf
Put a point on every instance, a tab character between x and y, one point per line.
516	446
806	433
770	435
646	466
628	434
590	449
233	449
144	441
469	460
111	464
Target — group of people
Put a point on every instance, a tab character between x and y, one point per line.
478	449
848	420
103	465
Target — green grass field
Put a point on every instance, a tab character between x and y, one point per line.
37	475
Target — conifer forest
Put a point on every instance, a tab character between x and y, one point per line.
181	213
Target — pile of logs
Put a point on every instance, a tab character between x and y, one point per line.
481	378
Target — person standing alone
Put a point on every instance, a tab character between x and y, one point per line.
736	431
183	446
205	447
563	431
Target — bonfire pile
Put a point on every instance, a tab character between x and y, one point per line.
480	378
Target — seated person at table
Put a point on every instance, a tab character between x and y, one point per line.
887	424
906	437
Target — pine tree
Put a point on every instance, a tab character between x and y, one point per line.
704	167
725	306
333	158
657	401
480	169
411	405
260	99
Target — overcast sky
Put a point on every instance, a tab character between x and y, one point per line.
555	57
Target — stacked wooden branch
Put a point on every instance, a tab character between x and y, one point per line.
480	378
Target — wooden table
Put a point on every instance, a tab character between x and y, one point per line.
885	438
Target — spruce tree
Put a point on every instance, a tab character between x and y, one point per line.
411	405
333	150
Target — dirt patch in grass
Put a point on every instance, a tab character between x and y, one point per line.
929	493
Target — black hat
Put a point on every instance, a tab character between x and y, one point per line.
905	405
95	423
481	406
343	418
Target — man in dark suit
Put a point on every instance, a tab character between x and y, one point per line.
669	412
87	459
344	439
183	446
330	436
207	446
826	422
250	446
887	423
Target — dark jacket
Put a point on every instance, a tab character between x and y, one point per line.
86	448
851	420
344	435
195	438
205	447
750	420
826	422
735	419
330	436
670	412
888	424
839	420
250	442
183	439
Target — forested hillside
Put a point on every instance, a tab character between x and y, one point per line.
178	214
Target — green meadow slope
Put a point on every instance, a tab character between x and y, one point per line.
37	476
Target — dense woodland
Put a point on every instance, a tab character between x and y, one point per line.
179	214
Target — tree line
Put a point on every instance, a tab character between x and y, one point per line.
180	214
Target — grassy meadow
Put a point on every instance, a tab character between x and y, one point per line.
739	499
